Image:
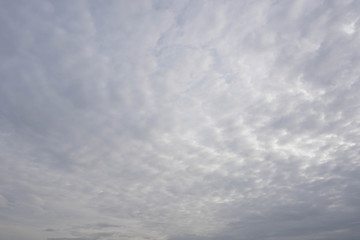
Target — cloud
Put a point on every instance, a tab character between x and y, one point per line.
49	230
179	120
68	238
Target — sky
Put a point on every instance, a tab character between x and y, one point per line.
180	120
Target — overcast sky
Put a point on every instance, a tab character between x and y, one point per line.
180	120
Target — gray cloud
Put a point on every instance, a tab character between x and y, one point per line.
179	120
69	239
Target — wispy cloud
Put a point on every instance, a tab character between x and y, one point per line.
179	120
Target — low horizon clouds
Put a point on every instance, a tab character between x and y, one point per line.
179	120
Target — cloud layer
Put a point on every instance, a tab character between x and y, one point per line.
174	120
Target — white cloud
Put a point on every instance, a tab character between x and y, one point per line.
179	120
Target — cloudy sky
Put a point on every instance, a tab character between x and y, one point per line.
180	120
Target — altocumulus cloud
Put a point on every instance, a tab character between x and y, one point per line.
179	120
